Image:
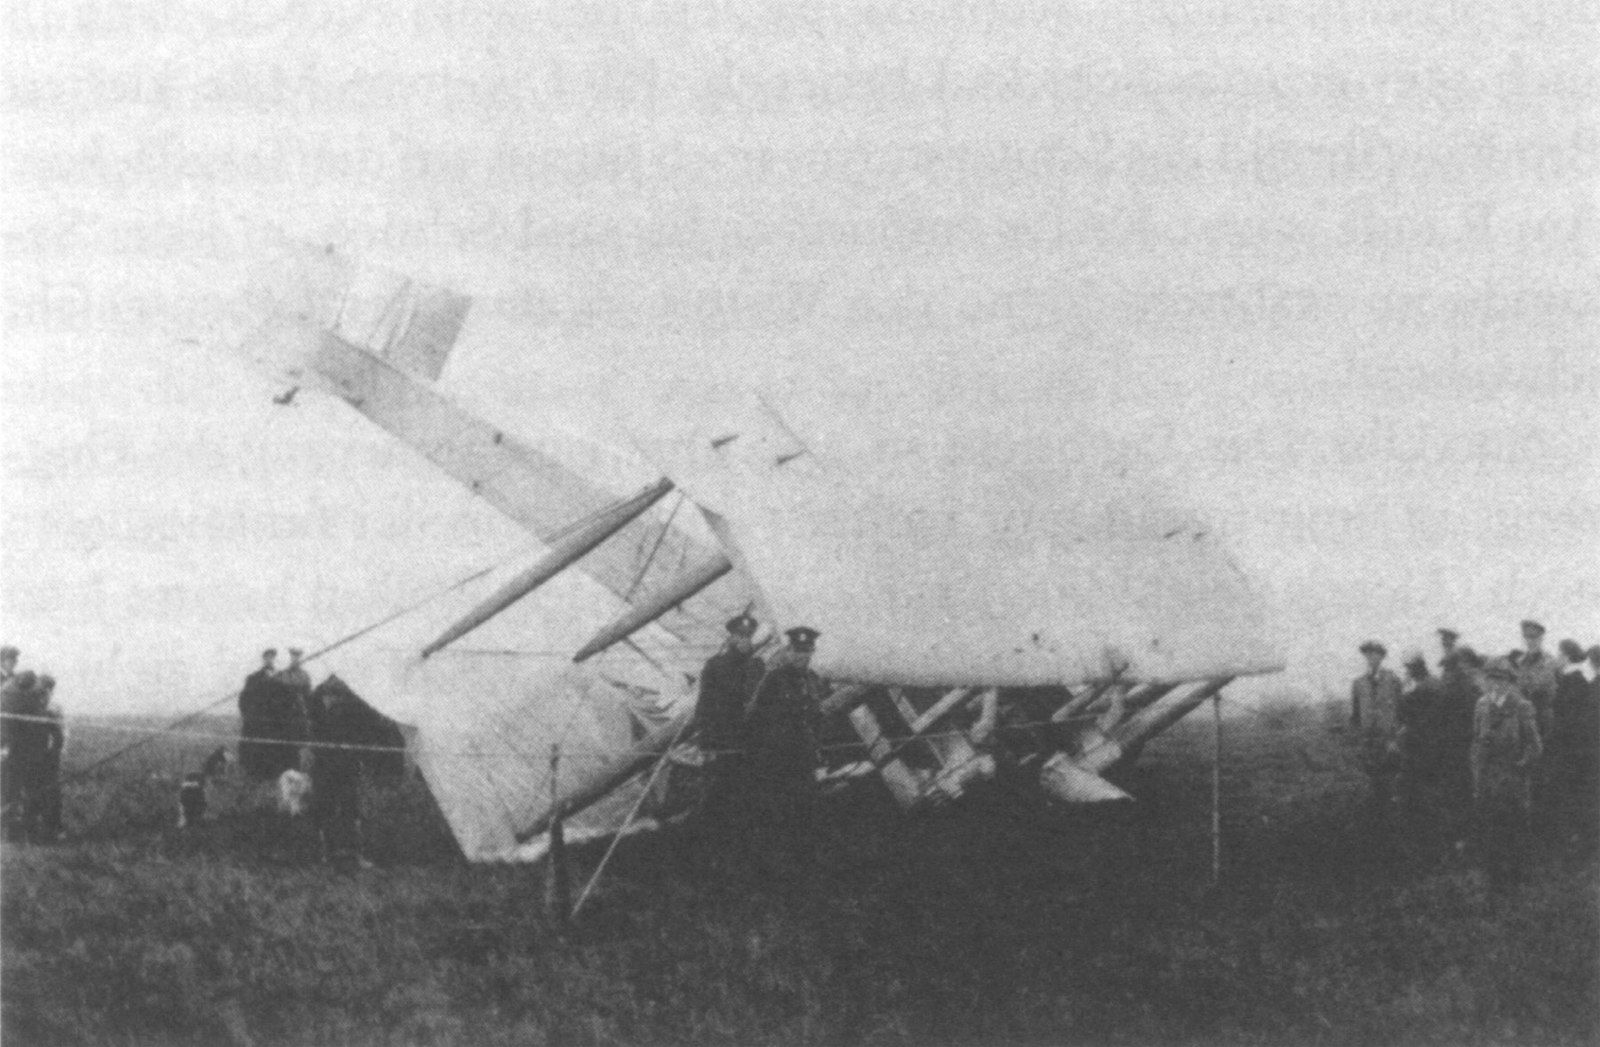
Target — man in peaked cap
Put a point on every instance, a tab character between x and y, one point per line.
1375	714
727	683
782	731
1447	646
1536	675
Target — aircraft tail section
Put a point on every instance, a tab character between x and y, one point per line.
410	326
378	341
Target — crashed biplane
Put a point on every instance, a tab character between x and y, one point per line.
974	616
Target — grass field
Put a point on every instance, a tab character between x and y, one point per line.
996	923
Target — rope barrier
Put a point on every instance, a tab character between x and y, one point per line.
84	723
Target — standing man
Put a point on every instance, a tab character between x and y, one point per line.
336	772
1505	749
295	677
782	731
1447	647
44	792
727	683
1461	690
1536	679
295	683
1375	714
20	743
1536	675
255	704
1573	782
1421	714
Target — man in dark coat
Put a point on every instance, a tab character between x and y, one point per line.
1571	749
1536	675
21	749
727	683
345	720
1421	743
255	698
44	790
782	730
273	722
1458	702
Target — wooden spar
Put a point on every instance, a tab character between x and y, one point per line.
1146	695
1081	702
904	783
642	614
1142	726
844	698
562	555
942	706
648	748
633	814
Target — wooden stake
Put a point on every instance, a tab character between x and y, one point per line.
557	885
1216	788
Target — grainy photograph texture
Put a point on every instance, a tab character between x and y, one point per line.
968	522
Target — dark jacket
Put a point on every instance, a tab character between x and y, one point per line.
727	683
782	725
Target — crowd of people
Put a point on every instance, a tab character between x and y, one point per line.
1502	750
31	742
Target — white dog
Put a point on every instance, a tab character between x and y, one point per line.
294	792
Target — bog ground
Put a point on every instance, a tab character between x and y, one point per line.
999	922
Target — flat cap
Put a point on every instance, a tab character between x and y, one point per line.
9	651
270	652
802	638
1531	626
1372	646
1449	635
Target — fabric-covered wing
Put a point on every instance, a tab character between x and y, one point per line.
1023	566
485	724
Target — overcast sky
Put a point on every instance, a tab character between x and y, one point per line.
1331	266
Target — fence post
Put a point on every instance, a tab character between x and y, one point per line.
1216	788
557	885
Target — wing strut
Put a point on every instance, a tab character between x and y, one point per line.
563	554
642	614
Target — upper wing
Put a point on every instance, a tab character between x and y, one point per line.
1029	568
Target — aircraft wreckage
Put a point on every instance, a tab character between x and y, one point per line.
946	613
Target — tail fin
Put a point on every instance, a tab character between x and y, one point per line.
410	326
307	290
